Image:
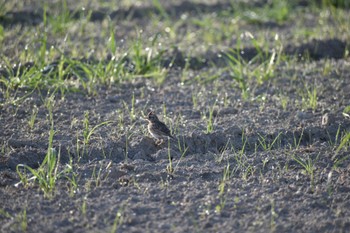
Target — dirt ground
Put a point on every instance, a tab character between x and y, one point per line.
249	174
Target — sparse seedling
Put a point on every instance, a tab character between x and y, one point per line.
131	111
284	101
220	70
346	112
274	215
97	176
296	142
22	219
32	119
345	143
210	119
334	141
169	167
194	100
227	173
118	221
219	160
5	214
72	177
87	133
309	166
238	69
47	174
266	144
83	208
265	161
225	177
128	135
183	149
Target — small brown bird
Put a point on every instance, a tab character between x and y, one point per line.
157	129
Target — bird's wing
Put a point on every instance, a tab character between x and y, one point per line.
164	129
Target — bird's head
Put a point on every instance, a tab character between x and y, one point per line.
151	116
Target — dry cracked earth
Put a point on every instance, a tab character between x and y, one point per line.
267	164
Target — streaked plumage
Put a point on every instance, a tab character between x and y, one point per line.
157	129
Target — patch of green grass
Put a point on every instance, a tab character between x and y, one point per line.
60	21
258	70
160	8
64	75
275	11
341	18
331	22
107	73
112	46
333	3
309	98
70	74
5	6
18	77
43	40
238	71
146	61
213	29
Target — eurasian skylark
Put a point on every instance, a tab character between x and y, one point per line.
157	129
